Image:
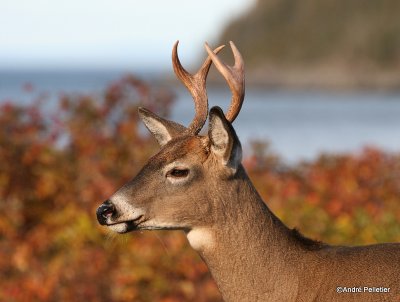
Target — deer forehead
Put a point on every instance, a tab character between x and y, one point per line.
189	147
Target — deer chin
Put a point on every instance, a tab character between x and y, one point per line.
126	226
120	228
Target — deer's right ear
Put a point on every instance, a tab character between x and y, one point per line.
162	129
224	141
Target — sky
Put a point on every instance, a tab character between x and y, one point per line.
120	34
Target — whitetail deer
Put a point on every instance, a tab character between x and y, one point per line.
197	184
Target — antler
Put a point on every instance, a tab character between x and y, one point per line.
196	84
234	75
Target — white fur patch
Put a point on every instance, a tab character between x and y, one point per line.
177	180
220	139
200	239
119	228
219	136
158	129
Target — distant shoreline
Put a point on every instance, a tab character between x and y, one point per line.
275	78
319	79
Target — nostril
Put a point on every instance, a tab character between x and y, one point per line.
106	210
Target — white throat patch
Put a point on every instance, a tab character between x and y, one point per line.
200	239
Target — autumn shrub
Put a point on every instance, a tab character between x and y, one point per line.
57	166
342	199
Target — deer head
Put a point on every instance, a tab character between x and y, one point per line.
172	191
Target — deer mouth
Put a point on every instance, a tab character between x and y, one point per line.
126	226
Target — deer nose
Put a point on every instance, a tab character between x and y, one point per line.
107	209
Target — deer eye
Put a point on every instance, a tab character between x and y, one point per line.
178	173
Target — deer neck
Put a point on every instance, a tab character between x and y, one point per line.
245	246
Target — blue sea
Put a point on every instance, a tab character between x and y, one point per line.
299	125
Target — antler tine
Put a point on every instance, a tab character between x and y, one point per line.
196	84
234	75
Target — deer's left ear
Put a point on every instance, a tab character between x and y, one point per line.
224	141
162	129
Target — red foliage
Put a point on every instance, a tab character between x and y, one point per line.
353	198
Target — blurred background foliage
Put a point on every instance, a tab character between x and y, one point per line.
57	166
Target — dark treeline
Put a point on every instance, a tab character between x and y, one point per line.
345	41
